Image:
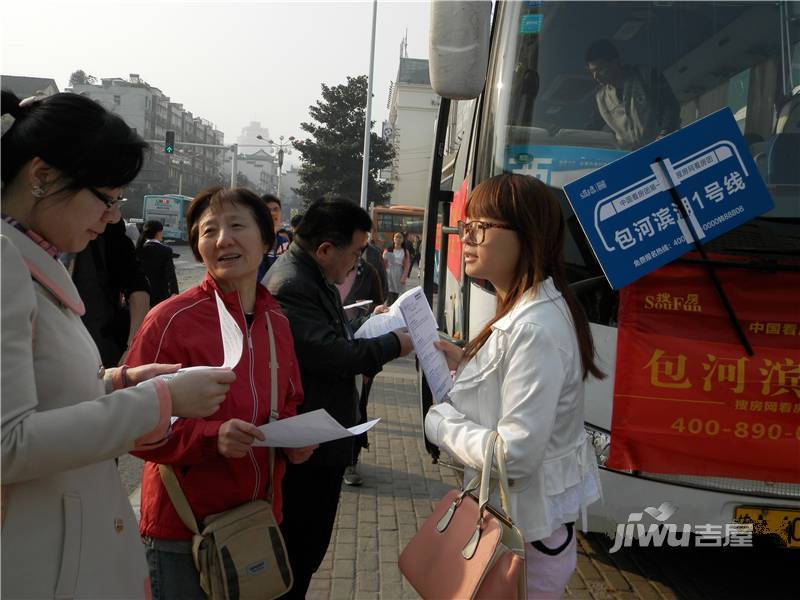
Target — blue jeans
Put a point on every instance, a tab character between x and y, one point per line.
172	571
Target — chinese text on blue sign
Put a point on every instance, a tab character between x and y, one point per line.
628	214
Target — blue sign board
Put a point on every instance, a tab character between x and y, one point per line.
531	24
627	211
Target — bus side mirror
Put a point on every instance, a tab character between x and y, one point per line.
459	47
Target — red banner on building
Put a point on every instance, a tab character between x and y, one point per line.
687	398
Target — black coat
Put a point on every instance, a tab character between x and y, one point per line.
156	261
328	357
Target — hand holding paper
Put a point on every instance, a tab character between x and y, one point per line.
412	310
232	344
315	427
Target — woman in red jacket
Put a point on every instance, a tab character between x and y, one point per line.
216	465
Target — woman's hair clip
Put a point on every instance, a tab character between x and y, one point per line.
30	100
7	120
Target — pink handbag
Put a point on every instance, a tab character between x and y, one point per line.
467	548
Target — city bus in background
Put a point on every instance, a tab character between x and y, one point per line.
170	209
518	97
388	220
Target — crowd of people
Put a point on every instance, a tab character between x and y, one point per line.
78	393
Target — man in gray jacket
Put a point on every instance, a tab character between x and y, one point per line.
635	101
327	245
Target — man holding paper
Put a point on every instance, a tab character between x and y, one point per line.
328	243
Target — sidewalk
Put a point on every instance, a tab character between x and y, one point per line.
376	520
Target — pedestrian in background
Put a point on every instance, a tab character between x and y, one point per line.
374	256
280	243
114	290
215	464
362	283
328	244
398	263
155	257
68	528
523	374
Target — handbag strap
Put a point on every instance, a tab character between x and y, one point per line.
167	472
178	498
495	447
483	499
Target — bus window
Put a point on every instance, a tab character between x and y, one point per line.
388	220
575	85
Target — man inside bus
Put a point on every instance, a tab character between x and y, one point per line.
635	101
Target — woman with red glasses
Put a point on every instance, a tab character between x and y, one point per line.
68	528
523	374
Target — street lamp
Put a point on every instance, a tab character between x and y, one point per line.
280	146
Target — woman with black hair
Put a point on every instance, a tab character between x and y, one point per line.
68	528
155	257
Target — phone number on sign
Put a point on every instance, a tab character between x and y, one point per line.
755	431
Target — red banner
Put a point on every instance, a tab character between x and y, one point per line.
687	398
454	242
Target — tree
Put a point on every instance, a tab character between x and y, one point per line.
80	77
332	159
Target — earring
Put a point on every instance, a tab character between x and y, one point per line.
38	191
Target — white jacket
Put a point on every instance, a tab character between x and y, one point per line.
526	383
68	530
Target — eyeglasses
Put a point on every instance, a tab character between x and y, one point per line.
475	231
111	203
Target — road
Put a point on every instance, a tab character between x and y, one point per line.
376	520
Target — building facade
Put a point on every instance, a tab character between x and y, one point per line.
23	87
413	107
152	113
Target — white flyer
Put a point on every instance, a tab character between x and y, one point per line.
232	343
315	427
422	327
411	310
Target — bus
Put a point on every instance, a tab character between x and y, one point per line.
517	97
170	209
388	220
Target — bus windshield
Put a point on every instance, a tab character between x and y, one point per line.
575	85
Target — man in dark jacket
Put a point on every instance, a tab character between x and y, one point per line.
327	245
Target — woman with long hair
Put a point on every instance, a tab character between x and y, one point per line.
68	528
398	263
155	257
523	374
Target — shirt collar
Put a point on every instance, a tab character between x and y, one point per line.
50	273
546	292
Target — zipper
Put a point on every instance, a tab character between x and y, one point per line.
254	392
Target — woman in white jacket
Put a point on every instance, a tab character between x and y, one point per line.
523	374
68	530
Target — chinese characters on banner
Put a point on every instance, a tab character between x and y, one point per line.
687	398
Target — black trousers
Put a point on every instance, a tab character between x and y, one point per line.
310	498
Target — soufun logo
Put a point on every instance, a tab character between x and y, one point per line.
668	302
661	532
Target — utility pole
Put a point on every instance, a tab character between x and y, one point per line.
280	145
234	164
368	115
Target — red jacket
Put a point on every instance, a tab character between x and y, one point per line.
185	329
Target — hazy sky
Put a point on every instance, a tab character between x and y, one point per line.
228	62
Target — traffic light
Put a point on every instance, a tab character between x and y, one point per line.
169	142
